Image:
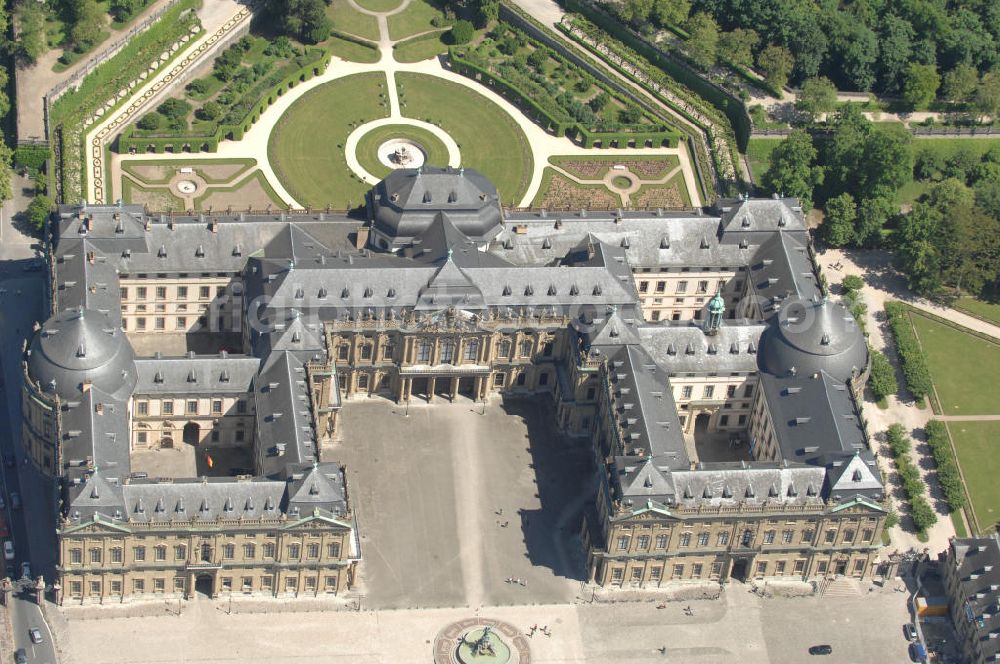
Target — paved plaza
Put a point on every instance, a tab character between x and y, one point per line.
738	627
428	484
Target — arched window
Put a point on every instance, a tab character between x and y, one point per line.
504	350
472	350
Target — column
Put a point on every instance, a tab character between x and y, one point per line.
454	388
478	393
431	382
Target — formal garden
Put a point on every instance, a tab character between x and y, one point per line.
198	184
596	182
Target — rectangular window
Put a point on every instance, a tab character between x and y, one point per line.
269	549
142	408
161	323
266	582
678	572
617	574
180	323
123	293
748	391
716	570
249	551
623	542
182	292
168	407
702	286
294	551
742	420
696	570
661	286
761	568
636	574
161	553
723	538
204	292
220	291
140	292
159	585
779	567
686	392
180	552
178	584
240	435
830	536
311	583
161	292
333	550
724	421
76	588
312	550
76	556
643	286
655	573
800	566
95	587
116	555
227	583
821	567
769	537
867	534
643	542
682	287
786	537
703	539
247	584
330	584
656	315
192	407
685	539
708	392
228	551
241	406
730	391
95	555
291	584
139	554
138	585
859	566
849	536
216	406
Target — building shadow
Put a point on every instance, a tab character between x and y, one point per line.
565	482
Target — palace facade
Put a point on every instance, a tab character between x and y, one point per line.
641	327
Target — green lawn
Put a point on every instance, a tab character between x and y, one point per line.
413	20
201	166
379	5
962	366
758	153
988	310
949	145
419	49
437	152
978	445
347	19
306	149
351	51
490	140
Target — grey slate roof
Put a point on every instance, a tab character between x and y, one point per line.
202	499
223	374
284	424
975	564
686	348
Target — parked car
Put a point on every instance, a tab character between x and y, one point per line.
910	632
821	650
15	500
918	653
20	657
35	634
26	570
8	550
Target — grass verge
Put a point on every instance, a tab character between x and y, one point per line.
367	151
976	444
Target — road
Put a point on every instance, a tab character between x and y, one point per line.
21	304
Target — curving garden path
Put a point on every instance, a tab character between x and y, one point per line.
542	144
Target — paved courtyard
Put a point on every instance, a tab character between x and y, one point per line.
187	461
428	488
739	627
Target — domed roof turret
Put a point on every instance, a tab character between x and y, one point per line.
807	336
409	200
78	345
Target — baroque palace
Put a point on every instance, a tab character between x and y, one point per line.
642	327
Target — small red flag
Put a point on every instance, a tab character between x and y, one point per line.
208	460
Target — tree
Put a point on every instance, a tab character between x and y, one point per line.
125	9
304	19
38	211
920	85
987	99
818	95
923	516
917	241
792	170
462	32
852	283
630	116
775	64
31	43
174	108
671	12
211	110
838	225
895	51
538	58
703	43
873	213
737	47
960	83
882	378
88	25
489	11
150	121
600	102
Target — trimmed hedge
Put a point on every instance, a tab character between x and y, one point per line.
188	141
912	356
949	476
32	156
640	134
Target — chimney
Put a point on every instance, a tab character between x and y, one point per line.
85	387
214	226
362	237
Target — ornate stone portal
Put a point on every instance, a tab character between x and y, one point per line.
481	641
